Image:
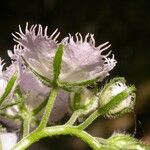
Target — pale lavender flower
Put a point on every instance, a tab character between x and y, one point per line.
81	61
84	61
37	49
61	106
3	81
8	140
34	90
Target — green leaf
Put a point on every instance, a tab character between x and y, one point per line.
57	62
68	85
8	88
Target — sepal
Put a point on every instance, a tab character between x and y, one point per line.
116	98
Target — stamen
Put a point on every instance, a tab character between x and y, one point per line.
108	53
26	29
40	30
102	45
15	37
76	35
22	36
45	31
20	30
86	37
56	36
51	37
33	31
81	39
31	28
105	48
92	40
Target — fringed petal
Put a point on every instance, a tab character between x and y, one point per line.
85	60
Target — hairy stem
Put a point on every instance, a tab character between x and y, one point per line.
89	120
57	130
48	108
74	117
26	127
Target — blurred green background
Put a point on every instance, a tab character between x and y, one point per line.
126	24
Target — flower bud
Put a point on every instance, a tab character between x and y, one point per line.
119	96
85	100
124	141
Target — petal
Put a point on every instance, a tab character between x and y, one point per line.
85	61
37	48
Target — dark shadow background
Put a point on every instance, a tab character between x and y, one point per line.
126	24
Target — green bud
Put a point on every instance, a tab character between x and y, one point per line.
84	100
124	141
118	96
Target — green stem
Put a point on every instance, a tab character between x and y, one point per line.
26	127
74	117
57	130
89	120
48	108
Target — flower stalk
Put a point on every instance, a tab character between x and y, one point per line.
57	130
74	117
48	108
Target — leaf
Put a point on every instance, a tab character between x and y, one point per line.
57	62
8	88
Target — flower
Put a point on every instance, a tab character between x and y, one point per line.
61	106
37	49
118	92
82	61
8	140
30	86
3	81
